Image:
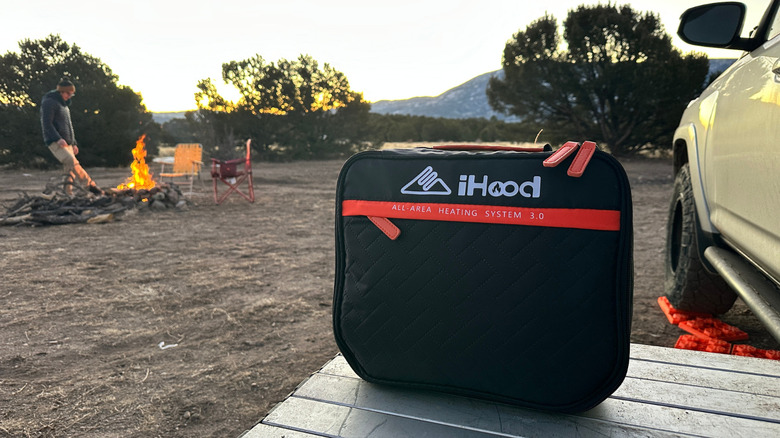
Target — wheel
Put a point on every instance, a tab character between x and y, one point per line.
688	285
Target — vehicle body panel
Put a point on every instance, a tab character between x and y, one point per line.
741	158
731	133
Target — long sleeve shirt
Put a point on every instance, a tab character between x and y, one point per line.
55	119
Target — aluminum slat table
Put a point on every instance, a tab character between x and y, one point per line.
667	392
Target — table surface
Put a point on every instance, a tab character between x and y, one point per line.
667	392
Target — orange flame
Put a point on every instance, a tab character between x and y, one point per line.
142	178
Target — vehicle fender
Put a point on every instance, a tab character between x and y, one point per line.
706	233
687	133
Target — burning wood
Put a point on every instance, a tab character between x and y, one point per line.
55	207
141	178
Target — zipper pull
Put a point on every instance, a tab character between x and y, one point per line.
561	154
491	148
385	226
581	160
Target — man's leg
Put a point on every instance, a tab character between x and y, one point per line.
71	167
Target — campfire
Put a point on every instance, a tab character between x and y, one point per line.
141	178
56	207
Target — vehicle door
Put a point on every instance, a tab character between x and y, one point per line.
742	156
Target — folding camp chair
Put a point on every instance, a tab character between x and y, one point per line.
186	163
233	173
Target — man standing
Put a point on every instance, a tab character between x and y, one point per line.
59	136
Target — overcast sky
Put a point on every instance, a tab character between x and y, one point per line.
393	49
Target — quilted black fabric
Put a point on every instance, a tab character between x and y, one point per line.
527	315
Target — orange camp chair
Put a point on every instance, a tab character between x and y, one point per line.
186	163
233	173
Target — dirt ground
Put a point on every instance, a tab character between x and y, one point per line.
195	323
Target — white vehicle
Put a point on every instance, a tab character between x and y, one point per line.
723	234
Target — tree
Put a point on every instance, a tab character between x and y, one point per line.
108	118
618	80
297	106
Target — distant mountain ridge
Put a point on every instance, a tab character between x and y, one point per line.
167	116
467	100
718	65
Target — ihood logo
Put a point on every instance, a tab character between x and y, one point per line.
469	185
428	182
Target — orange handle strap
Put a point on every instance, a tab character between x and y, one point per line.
561	154
580	162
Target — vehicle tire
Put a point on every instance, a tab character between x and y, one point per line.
688	285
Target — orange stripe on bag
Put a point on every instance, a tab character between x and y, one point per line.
587	219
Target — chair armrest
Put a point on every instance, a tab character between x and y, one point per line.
235	161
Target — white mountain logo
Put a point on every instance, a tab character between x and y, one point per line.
426	183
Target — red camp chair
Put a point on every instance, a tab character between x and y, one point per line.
233	173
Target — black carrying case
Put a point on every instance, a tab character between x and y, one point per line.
498	274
